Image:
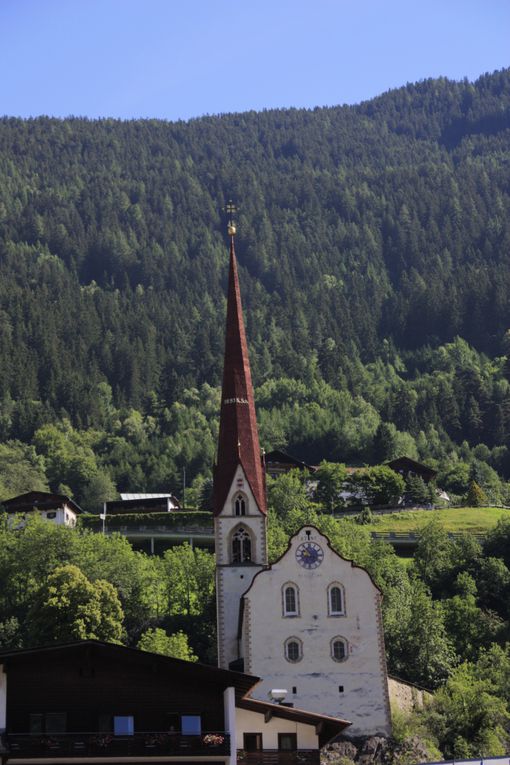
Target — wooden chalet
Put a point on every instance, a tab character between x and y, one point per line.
98	702
278	462
408	467
58	508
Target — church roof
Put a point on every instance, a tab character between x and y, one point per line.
238	442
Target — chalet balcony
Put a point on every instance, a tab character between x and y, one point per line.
152	743
278	757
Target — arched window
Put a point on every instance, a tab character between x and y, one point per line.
290	600
293	649
239	505
336	605
241	546
339	649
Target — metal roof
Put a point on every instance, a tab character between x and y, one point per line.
145	496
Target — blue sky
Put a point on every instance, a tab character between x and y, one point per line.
177	59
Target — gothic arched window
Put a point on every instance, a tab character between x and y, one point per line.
290	600
239	504
339	649
336	606
241	546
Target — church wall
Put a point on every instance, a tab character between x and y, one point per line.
233	580
354	688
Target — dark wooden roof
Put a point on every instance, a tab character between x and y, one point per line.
191	671
40	500
238	442
406	464
281	458
327	727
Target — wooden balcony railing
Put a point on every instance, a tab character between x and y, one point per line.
278	757
150	743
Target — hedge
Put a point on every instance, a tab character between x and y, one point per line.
179	519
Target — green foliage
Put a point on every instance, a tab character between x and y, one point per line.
378	485
330	478
365	517
21	469
190	577
417	491
70	607
469	626
419	647
176	645
411	194
30	555
467	718
476	496
434	556
497	542
179	519
288	493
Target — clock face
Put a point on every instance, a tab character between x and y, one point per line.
309	555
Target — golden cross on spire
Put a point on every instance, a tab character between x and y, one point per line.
231	209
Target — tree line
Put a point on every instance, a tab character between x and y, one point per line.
373	245
446	614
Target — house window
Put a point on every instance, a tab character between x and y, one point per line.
239	505
123	725
191	725
287	742
336	600
241	546
36	723
293	650
339	649
252	742
51	514
48	722
104	723
56	722
290	600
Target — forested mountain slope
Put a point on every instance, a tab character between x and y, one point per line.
370	237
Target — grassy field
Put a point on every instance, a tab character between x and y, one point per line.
476	520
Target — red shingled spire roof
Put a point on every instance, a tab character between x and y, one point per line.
238	442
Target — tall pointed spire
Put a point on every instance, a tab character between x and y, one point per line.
238	442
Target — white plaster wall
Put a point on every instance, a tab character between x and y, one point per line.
317	676
233	580
253	722
60	520
253	520
71	516
229	706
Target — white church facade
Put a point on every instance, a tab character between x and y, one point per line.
310	622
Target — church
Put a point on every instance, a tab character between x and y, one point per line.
309	624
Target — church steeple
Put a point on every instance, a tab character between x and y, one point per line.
238	439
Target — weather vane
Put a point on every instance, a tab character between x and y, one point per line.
231	209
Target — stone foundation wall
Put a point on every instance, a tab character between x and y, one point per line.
405	696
